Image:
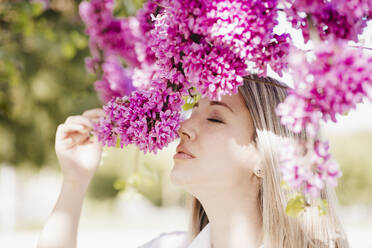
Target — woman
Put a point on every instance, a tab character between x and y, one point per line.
227	159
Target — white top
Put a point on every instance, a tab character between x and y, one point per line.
178	239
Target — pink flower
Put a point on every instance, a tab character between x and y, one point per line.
212	44
308	172
342	19
149	118
113	35
332	83
116	81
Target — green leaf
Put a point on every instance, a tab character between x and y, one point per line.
285	185
190	101
120	185
68	50
37	8
187	106
323	207
80	41
49	34
135	179
118	143
296	205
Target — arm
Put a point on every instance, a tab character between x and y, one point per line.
60	230
79	157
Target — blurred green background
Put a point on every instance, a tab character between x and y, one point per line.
43	81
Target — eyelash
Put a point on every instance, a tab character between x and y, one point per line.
214	120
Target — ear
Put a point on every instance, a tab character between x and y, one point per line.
259	172
258	168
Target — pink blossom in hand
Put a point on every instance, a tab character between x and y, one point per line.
149	118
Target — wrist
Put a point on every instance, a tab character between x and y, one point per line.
76	183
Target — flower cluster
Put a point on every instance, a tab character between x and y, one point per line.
331	19
113	35
121	37
148	118
212	44
116	80
146	24
309	172
333	83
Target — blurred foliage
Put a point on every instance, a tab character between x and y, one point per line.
353	152
43	81
42	78
42	75
130	167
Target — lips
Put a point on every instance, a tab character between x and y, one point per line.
183	153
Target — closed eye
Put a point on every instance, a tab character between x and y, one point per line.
214	120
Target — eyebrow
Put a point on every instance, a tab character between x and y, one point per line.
216	103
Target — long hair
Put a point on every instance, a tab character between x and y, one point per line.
309	230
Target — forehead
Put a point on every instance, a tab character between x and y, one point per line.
235	101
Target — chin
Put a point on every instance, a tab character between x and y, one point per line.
178	175
175	176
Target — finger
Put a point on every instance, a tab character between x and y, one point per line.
94	113
59	132
94	141
72	140
70	129
62	130
65	143
78	119
95	116
79	139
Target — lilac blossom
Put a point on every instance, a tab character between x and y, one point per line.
212	44
116	80
338	78
113	35
147	118
310	172
331	19
145	16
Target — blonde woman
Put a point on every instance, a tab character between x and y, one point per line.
227	160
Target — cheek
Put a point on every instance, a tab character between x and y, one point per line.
226	157
241	156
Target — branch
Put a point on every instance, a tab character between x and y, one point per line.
368	48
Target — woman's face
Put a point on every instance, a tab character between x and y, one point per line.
218	135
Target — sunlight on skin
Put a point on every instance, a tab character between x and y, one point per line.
223	168
61	220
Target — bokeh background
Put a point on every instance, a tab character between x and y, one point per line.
131	199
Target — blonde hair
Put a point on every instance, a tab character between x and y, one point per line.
309	230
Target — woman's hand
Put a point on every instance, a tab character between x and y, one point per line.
78	154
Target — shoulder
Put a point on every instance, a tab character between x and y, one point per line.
176	239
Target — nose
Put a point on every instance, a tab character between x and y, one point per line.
186	130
